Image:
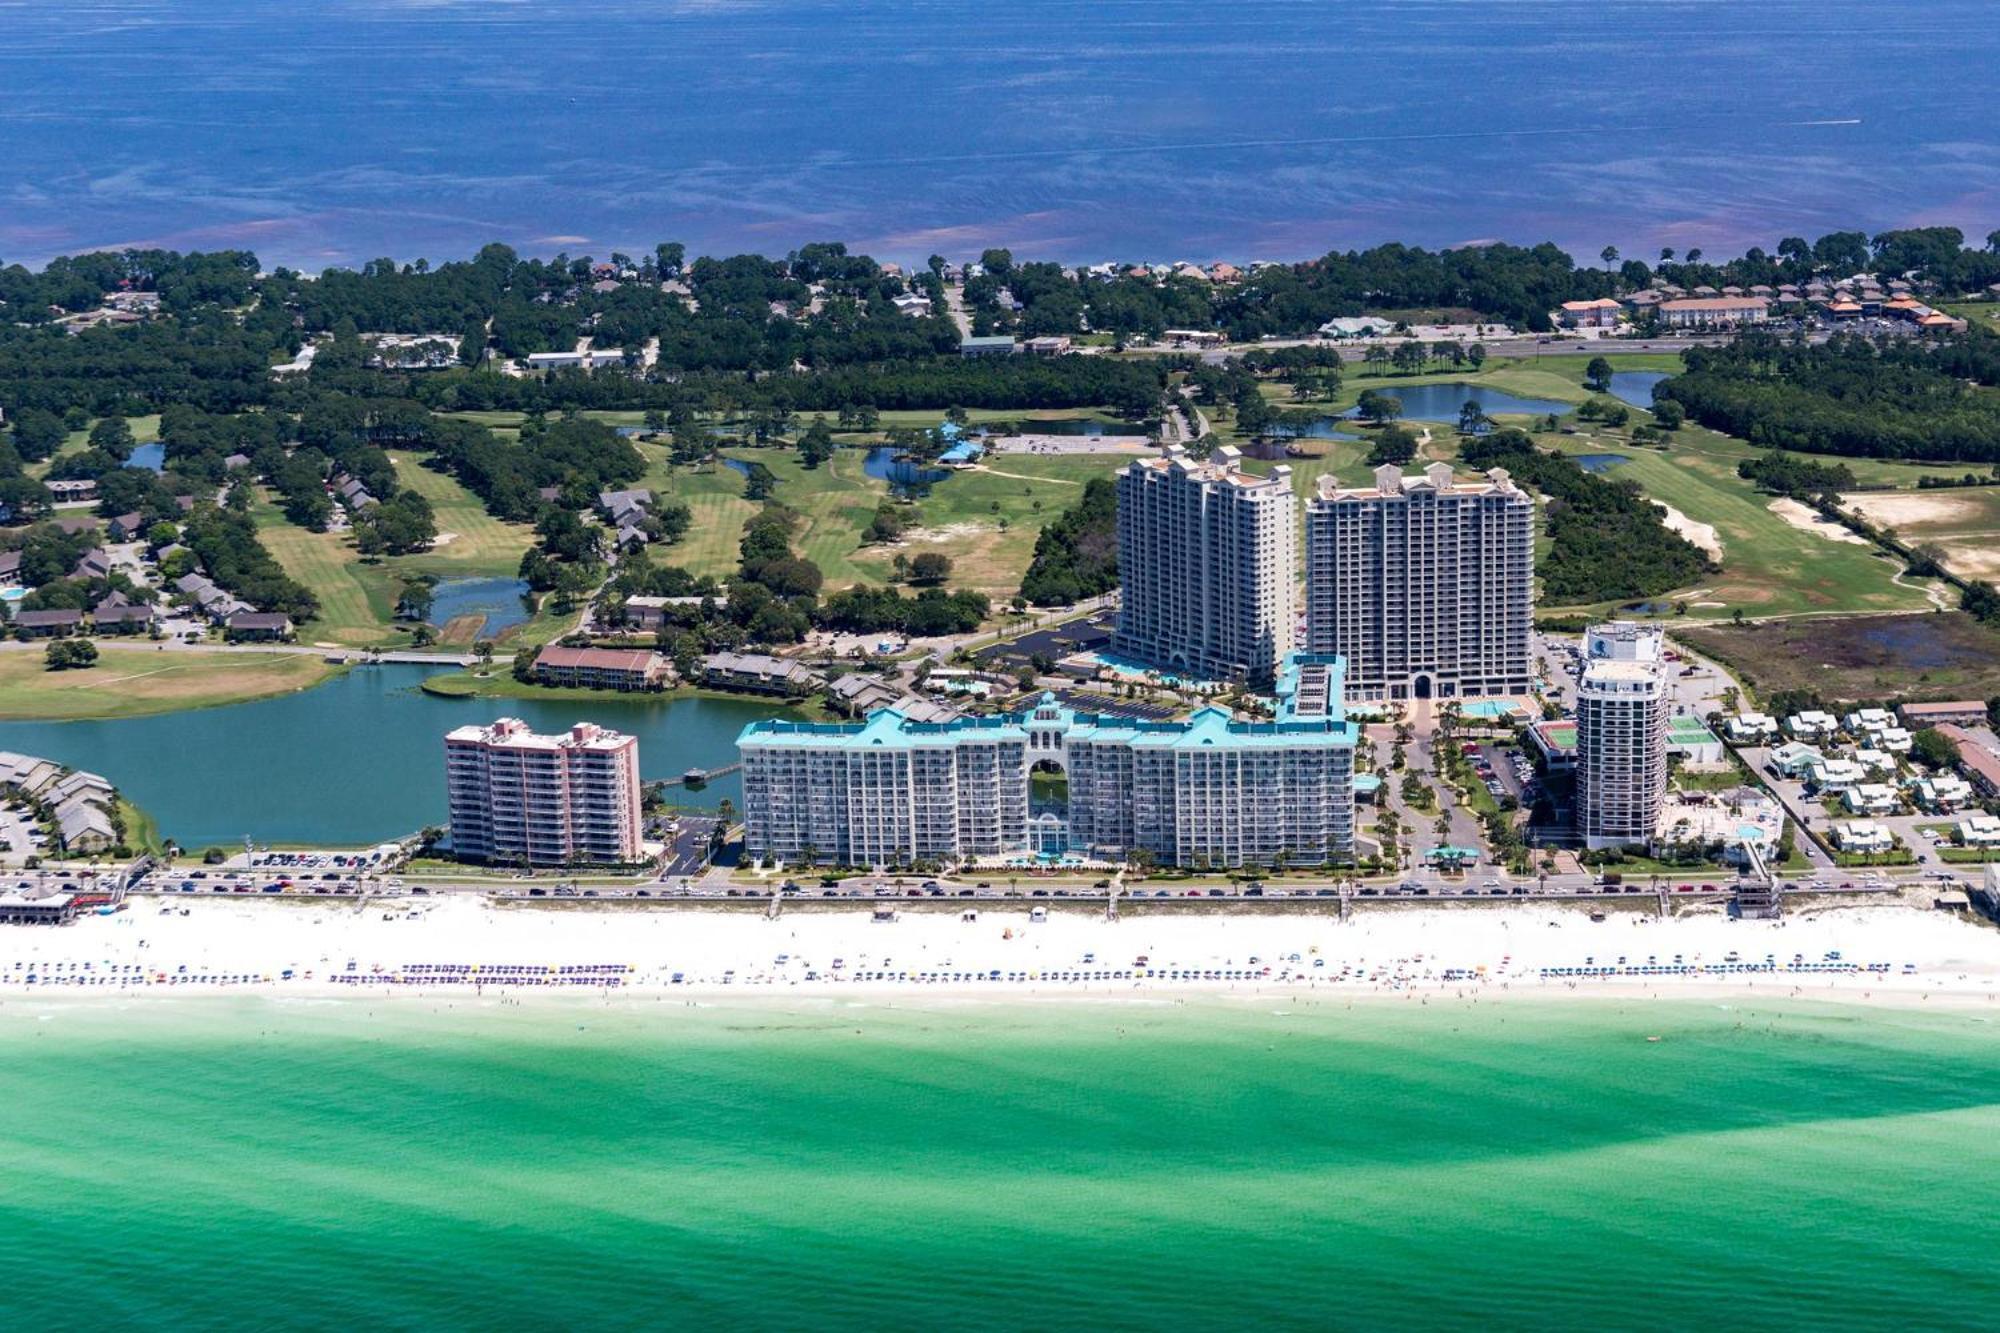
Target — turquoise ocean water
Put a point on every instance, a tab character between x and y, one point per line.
249	1163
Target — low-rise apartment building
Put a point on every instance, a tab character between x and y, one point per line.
626	669
1714	312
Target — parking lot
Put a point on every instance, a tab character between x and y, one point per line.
1092	634
1505	771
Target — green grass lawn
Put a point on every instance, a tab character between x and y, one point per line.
1769	567
356	600
145	430
357	596
135	681
479	543
985	519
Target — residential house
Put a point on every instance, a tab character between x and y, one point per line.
47	624
95	563
1794	760
1942	793
1868	721
1871	798
10	566
26	775
212	601
1812	725
1835	775
126	527
1875	761
1750	728
257	626
73	490
913	305
126	619
858	695
624	509
85	826
1978	831
1863	836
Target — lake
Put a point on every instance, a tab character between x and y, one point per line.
1636	386
1601	463
1441	402
1320	428
354	761
903	475
335	133
151	456
498	601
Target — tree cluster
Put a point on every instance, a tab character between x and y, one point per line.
1607	540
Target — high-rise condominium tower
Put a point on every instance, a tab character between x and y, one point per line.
1621	735
516	796
1426	585
1207	564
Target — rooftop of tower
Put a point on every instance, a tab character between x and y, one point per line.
1224	464
1436	479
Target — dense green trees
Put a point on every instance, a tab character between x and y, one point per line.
68	654
1607	541
1076	556
401	525
226	543
1394	446
1899	399
1800	478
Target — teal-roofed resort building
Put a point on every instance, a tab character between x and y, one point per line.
1208	791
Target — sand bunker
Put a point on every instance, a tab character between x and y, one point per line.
1701	534
1807	519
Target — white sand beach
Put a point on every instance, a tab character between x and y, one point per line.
462	945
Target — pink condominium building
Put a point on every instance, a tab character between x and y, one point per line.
517	796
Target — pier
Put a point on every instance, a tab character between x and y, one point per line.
701	777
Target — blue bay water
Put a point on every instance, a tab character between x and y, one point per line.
1291	1163
356	760
342	131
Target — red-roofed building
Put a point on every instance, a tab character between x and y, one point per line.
1599	314
601	668
1981	765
